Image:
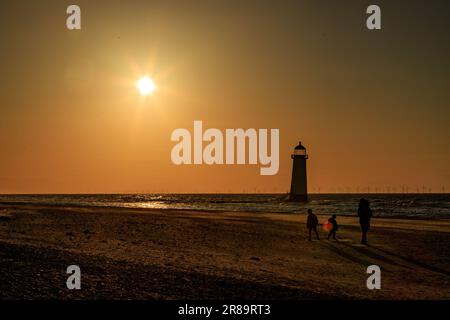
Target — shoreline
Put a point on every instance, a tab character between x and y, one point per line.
45	205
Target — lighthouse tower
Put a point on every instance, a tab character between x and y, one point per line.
299	188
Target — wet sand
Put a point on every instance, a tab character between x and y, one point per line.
162	254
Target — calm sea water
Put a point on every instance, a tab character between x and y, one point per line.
428	206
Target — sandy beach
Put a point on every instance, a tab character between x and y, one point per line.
163	254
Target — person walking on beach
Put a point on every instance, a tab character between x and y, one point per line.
311	224
364	214
333	227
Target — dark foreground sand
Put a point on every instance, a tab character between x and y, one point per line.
151	254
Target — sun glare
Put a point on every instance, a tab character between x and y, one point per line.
146	86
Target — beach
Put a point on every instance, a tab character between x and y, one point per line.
126	253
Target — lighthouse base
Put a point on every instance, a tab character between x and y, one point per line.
298	197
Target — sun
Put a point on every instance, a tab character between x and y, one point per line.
146	86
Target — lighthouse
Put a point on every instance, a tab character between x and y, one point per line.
299	187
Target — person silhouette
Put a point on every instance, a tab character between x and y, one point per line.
334	227
311	224
364	214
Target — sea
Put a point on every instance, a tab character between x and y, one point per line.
420	206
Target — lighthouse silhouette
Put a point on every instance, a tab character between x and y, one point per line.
299	186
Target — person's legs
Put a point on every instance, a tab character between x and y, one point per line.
364	229
334	235
310	230
364	238
317	234
329	234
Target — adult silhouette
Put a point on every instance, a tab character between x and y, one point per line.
311	224
364	214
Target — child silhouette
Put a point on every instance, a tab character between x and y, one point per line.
333	227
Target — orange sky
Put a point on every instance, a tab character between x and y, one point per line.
372	108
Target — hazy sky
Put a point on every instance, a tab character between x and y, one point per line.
372	107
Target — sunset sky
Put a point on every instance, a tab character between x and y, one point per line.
371	107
